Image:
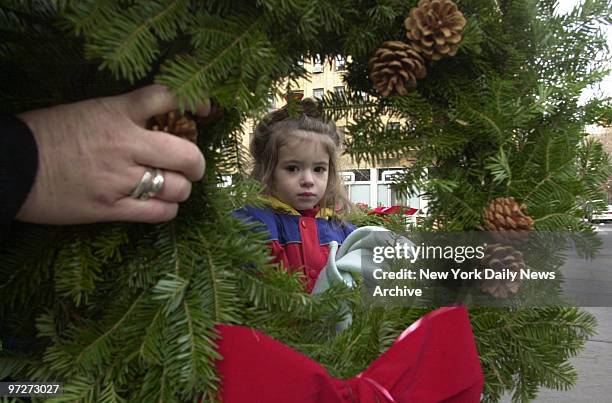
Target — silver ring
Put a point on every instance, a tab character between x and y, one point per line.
150	184
143	185
155	186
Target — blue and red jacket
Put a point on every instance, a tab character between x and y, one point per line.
299	239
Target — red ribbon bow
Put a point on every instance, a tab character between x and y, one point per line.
434	360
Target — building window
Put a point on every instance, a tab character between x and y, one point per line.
317	64
362	175
339	90
374	187
359	193
387	196
364	95
340	63
317	93
357	182
389	175
398	199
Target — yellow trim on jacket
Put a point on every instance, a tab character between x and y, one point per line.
276	204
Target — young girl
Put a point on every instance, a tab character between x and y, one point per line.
296	160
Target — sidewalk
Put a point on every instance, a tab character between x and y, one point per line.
594	362
594	367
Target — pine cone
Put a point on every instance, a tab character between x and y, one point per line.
507	220
395	68
182	125
502	260
434	28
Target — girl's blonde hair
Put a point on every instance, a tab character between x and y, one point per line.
277	128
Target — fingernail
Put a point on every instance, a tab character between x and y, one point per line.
203	110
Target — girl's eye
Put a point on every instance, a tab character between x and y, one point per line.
291	168
320	169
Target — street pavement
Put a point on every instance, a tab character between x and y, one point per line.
594	363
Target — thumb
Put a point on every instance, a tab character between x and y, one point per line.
156	99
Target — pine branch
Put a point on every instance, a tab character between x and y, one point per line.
136	305
95	350
193	77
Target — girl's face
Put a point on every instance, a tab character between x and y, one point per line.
300	176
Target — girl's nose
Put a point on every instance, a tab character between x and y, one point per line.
307	179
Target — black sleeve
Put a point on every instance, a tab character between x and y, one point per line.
18	166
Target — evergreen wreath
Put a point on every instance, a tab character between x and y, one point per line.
126	312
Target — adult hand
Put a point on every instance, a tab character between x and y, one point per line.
93	153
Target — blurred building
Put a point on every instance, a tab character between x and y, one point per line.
604	135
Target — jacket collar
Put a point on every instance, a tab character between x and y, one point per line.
317	212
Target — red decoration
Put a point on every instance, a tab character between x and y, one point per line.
394	210
434	360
